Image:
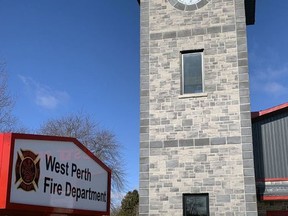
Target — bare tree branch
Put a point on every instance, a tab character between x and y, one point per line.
102	143
7	120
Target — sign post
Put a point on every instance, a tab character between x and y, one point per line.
45	175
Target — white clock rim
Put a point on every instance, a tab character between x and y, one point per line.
189	2
180	5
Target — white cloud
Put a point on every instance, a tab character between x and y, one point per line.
43	95
276	89
270	80
268	74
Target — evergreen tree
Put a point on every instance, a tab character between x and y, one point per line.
130	204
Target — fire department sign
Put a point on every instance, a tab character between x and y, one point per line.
52	174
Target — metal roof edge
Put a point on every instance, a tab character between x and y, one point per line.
270	110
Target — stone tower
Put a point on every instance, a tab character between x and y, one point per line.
195	138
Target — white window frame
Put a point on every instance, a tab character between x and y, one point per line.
199	51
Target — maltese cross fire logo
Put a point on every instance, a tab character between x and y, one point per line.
27	170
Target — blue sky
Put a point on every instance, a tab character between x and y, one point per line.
268	58
66	56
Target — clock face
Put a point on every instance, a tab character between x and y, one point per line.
188	5
189	2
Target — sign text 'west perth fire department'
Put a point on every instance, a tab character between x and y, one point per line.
50	172
58	174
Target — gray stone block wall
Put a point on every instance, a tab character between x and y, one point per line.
144	109
198	144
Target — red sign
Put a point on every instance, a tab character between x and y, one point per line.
44	175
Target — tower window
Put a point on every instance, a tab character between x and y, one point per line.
196	204
192	72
